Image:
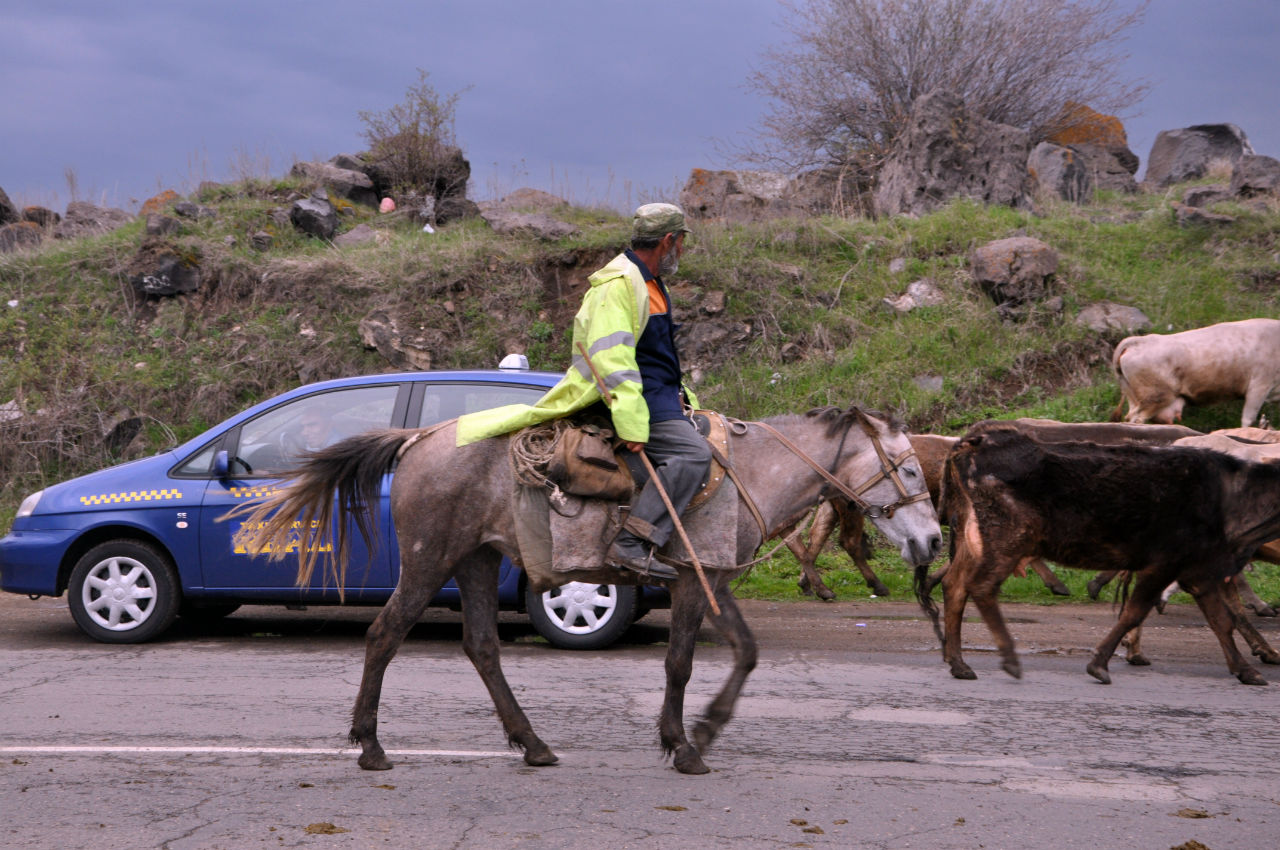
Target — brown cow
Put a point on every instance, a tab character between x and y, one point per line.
1166	513
1160	373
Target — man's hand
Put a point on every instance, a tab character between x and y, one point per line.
635	448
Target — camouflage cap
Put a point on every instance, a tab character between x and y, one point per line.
653	221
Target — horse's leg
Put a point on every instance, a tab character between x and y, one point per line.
824	522
477	580
1132	643
745	654
381	643
1145	593
984	592
1211	599
1099	581
853	539
688	606
1233	597
1050	578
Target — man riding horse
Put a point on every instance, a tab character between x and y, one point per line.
625	326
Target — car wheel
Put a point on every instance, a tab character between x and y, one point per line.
581	615
123	592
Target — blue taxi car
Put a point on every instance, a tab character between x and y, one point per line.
139	544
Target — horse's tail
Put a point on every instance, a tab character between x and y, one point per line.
346	475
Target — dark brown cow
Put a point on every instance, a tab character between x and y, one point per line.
1166	513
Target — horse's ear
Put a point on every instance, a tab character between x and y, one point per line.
867	424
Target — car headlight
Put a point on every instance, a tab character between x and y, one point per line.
28	506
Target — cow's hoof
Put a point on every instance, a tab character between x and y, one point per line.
879	590
963	671
826	594
1059	590
540	756
1268	656
1099	672
1263	610
1093	588
1249	676
1139	660
688	761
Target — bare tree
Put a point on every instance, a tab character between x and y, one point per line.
843	90
411	140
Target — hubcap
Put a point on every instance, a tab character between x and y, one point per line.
119	594
579	608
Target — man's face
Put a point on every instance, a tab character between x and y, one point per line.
313	430
670	262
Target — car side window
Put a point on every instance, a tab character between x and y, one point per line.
448	401
274	442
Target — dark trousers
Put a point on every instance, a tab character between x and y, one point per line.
682	459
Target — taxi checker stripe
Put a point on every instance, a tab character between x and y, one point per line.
131	496
252	492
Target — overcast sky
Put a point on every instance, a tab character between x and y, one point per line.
596	100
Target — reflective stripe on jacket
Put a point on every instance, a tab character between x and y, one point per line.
613	315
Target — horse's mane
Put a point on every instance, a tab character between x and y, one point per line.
839	419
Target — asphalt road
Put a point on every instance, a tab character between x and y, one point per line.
850	734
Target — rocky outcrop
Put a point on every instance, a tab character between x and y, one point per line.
526	200
20	235
734	195
86	219
538	225
1060	172
158	269
380	331
158	203
1185	154
1255	175
8	212
43	216
354	186
1106	317
947	151
1101	143
1206	196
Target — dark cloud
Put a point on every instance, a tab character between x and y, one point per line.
601	102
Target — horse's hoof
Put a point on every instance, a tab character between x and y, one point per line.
1059	590
825	594
1013	667
963	671
1249	676
1263	610
540	756
879	590
688	761
375	760
1139	660
1099	672
1093	588
1267	656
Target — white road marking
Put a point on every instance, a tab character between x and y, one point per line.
288	751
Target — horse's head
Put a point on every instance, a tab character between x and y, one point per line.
878	464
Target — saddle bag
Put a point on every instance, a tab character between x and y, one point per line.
584	464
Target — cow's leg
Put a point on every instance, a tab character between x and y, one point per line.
955	593
1251	599
985	592
688	606
1136	607
1254	397
853	539
1100	581
477	580
1050	579
1257	643
1211	599
1132	643
824	522
734	628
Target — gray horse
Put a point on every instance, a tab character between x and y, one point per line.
453	512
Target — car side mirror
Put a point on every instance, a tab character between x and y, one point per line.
221	465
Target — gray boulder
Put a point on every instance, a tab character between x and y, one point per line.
158	270
8	212
86	219
1106	317
527	200
455	209
187	209
1015	271
42	216
314	217
161	225
1255	175
20	235
947	151
539	225
1186	216
921	293
1185	154
354	186
358	235
1110	167
1061	172
1206	196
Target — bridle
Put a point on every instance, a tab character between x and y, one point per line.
888	470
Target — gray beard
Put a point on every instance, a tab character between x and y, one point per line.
669	264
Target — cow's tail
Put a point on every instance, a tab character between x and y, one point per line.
1125	395
345	477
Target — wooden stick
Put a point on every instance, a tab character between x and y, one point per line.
662	491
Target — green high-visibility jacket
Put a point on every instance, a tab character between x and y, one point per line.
613	315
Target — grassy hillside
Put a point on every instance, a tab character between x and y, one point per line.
802	323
